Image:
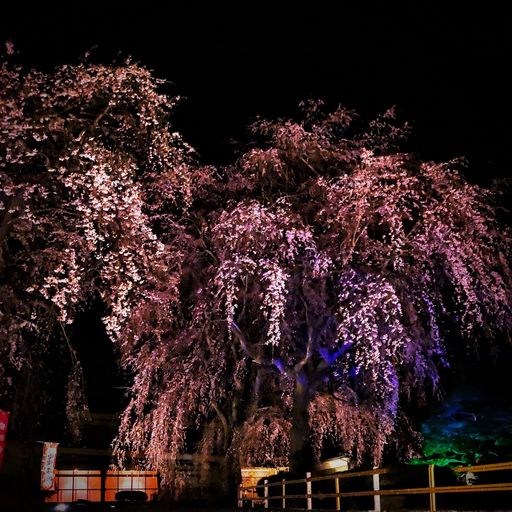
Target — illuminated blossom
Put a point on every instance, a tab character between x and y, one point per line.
87	160
300	298
322	277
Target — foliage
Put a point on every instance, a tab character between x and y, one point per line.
325	271
300	299
470	427
83	151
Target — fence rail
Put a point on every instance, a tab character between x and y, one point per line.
250	493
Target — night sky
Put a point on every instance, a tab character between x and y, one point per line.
448	73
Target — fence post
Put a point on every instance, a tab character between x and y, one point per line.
283	504
309	491
432	485
337	490
376	487
103	476
265	493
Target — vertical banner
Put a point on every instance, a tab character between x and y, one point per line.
4	419
48	466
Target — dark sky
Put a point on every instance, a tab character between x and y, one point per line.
446	71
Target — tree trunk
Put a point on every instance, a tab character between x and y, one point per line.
301	454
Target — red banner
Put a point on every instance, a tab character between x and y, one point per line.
48	466
4	420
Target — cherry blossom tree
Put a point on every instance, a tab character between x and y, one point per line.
326	277
87	160
290	305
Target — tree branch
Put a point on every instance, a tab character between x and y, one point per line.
225	425
72	351
309	348
249	349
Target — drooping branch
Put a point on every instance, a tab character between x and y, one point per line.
250	350
225	425
309	345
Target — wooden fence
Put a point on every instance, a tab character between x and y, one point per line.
249	495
